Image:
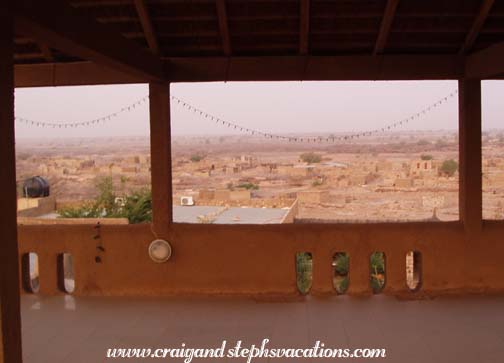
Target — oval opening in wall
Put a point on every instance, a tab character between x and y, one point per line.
304	272
30	272
377	266
413	270
341	266
66	275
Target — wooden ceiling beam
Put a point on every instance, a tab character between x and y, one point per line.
148	29
478	23
287	68
487	63
68	74
64	28
304	27
315	68
386	25
224	26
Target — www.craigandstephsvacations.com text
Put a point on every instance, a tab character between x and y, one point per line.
247	353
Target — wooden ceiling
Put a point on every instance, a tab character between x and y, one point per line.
209	28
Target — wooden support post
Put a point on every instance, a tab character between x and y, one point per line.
9	263
470	193
161	168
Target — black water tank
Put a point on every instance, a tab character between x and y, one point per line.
36	187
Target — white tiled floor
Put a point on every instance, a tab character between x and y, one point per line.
67	329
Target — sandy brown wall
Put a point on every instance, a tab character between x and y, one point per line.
259	260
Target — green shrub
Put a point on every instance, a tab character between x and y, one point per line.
196	158
248	186
376	284
441	143
426	157
377	261
341	264
377	265
341	284
136	207
449	167
310	158
341	267
304	270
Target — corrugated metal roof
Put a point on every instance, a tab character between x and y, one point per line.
234	215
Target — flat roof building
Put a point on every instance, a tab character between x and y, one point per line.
232	215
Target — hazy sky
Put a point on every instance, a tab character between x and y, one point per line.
278	107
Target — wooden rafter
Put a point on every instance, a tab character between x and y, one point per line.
478	23
386	25
304	26
224	26
148	29
62	27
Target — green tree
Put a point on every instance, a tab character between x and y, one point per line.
136	207
377	262
311	158
304	269
342	285
426	157
449	167
104	205
341	264
106	195
441	143
248	186
196	158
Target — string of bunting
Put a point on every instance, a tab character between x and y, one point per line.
219	121
331	138
100	120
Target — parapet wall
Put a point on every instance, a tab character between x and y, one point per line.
34	207
259	261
